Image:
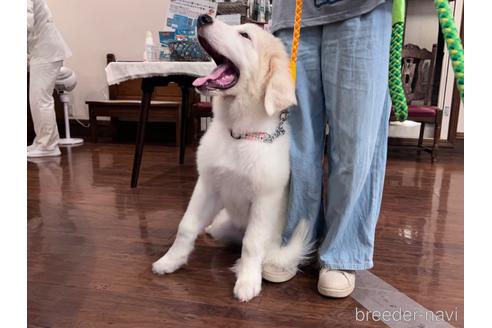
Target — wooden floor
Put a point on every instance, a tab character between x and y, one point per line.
92	239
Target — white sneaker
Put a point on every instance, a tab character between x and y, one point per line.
275	274
34	152
336	283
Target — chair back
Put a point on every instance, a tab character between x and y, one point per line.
418	68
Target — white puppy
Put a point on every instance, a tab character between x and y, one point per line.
243	159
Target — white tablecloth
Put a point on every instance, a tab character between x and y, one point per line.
117	72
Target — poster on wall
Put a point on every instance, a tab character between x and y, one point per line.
182	15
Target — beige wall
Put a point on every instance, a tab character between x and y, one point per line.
422	23
93	28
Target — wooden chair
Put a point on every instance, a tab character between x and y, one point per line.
417	76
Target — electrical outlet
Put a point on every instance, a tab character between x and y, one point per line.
447	109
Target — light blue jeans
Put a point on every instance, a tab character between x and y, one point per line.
342	80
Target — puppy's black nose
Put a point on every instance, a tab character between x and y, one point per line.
204	20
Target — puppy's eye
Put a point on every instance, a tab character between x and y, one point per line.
245	35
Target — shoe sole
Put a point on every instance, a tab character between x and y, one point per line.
277	278
46	155
335	293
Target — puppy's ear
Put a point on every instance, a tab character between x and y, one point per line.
280	89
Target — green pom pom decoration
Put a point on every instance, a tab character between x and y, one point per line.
397	94
453	42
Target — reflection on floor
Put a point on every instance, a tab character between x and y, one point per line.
92	239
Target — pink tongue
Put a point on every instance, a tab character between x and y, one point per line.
218	75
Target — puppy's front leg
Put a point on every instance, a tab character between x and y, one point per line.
263	215
203	207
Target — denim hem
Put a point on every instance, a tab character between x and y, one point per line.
347	266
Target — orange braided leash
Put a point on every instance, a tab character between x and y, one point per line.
295	39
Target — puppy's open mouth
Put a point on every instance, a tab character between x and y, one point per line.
223	77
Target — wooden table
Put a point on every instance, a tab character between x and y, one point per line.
155	74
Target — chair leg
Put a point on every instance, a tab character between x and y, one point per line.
114	129
421	137
437	137
196	129
93	123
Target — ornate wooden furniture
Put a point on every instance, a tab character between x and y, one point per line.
418	75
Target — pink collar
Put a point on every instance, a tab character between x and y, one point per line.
264	136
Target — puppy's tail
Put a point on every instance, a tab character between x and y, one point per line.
297	251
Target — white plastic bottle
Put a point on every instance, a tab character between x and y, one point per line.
149	47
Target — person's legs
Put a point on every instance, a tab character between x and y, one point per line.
307	128
355	55
42	83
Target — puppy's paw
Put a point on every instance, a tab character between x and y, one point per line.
167	264
245	290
